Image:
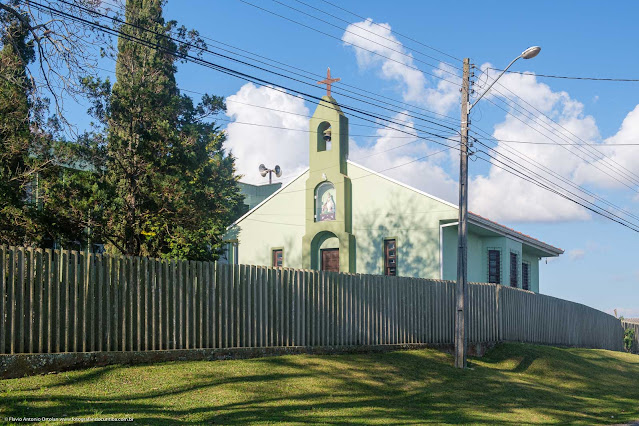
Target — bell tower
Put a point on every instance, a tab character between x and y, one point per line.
329	243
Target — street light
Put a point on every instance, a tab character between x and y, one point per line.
461	288
529	53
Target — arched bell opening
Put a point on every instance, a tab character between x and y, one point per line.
324	137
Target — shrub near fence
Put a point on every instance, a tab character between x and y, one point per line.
634	326
66	301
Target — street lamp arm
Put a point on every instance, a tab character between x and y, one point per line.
493	83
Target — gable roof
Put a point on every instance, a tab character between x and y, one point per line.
473	217
519	236
248	213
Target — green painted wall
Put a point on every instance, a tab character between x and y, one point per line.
385	209
370	209
280	222
477	254
283	220
478	246
328	164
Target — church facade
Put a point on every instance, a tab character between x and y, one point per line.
340	216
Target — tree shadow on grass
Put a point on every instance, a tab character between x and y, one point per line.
510	385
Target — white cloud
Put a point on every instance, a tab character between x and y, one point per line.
619	157
498	194
502	196
253	145
370	40
396	157
576	254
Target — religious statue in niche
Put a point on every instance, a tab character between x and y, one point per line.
325	200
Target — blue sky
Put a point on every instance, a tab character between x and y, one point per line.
577	39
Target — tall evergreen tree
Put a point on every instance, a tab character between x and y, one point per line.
169	187
18	224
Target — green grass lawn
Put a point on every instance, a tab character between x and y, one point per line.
513	384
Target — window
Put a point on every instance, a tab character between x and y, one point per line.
390	257
325	205
278	258
494	266
513	270
525	275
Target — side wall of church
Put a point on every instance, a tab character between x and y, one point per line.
277	224
383	209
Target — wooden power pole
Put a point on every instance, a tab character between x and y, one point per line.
461	289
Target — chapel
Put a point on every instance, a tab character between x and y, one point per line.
343	217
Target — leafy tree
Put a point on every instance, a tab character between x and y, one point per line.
62	50
168	187
35	172
18	155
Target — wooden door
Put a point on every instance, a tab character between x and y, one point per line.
330	260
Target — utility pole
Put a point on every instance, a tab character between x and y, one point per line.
461	290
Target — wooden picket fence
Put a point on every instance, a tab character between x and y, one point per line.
66	301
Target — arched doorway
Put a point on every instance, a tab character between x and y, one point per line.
325	252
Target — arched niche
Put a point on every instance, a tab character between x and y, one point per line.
325	202
324	136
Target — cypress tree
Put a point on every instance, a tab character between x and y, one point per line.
169	187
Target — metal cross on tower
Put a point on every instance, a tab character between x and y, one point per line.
328	81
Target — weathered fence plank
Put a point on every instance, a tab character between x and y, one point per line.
64	301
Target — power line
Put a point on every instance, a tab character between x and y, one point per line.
230	71
598	145
214	66
523	176
395	32
346	30
555	175
379	127
315	75
558	176
594	165
370	32
313	131
567	130
377	171
562	136
500	85
352	44
566	77
313	85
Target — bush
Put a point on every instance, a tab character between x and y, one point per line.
628	338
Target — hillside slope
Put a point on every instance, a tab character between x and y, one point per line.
514	383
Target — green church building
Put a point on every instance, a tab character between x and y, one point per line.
340	216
